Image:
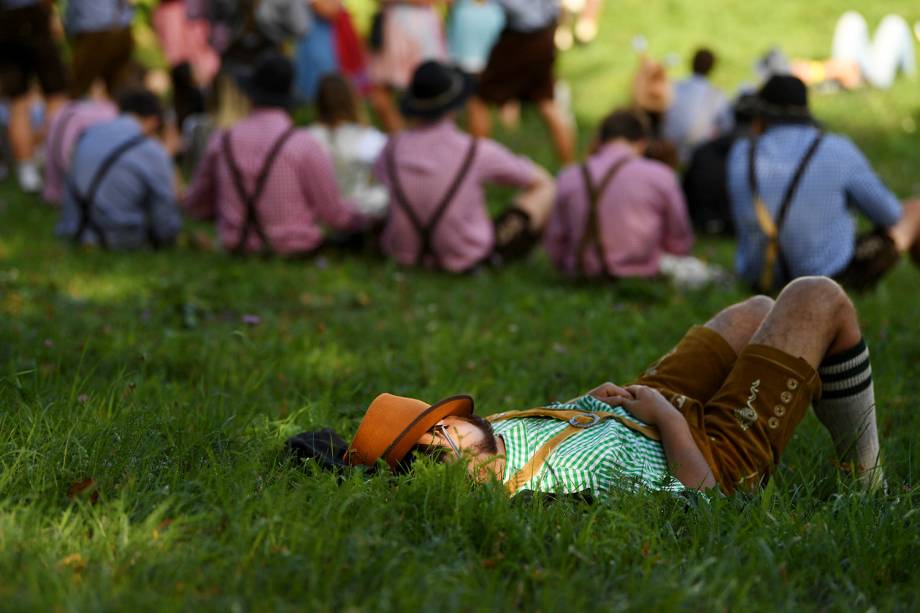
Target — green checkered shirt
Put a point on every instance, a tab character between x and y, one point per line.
601	457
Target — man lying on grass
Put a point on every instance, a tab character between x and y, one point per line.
719	408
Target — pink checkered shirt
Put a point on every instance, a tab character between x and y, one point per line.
641	215
67	126
300	193
427	161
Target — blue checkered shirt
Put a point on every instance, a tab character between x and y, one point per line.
818	235
135	200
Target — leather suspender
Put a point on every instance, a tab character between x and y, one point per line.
251	199
85	201
425	231
770	227
592	236
578	422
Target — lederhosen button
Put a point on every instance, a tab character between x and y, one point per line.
773	423
792	384
779	410
786	397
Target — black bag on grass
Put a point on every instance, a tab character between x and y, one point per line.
325	447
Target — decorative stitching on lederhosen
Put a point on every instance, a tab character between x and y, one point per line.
251	199
770	227
592	236
85	201
425	231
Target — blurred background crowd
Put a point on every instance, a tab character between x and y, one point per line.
394	142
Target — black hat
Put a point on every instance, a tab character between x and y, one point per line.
784	98
435	90
270	82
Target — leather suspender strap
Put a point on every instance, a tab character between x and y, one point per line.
425	231
592	236
251	200
85	201
770	227
578	421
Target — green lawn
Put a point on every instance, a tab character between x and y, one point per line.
139	372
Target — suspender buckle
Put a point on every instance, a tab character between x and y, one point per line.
585	420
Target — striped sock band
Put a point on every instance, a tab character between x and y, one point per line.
847	373
847	410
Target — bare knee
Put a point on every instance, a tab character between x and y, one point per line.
815	294
738	323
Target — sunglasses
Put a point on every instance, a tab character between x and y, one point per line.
441	429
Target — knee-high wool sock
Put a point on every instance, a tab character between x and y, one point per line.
847	410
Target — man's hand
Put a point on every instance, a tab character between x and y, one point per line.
648	404
610	393
684	457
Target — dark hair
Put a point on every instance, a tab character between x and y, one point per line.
335	100
624	123
140	102
703	61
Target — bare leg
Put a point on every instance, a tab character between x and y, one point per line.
906	232
480	123
559	130
812	318
738	323
20	130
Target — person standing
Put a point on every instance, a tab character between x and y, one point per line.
101	44
520	68
27	50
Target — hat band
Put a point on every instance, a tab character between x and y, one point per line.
456	87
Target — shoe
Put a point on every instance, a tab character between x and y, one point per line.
29	180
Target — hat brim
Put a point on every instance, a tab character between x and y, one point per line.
459	406
427	109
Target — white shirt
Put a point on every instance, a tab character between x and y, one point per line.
354	148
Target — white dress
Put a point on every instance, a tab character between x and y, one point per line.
354	148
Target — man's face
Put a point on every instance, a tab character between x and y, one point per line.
471	436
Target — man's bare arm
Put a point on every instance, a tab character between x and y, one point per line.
685	459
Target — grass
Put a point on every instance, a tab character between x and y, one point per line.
142	418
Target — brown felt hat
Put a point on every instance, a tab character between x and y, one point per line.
393	425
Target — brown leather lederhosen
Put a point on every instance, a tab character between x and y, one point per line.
426	230
251	199
592	237
771	228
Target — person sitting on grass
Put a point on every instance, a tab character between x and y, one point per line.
621	215
718	409
65	129
120	193
791	186
353	146
436	175
269	183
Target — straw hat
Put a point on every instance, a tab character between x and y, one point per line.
393	425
